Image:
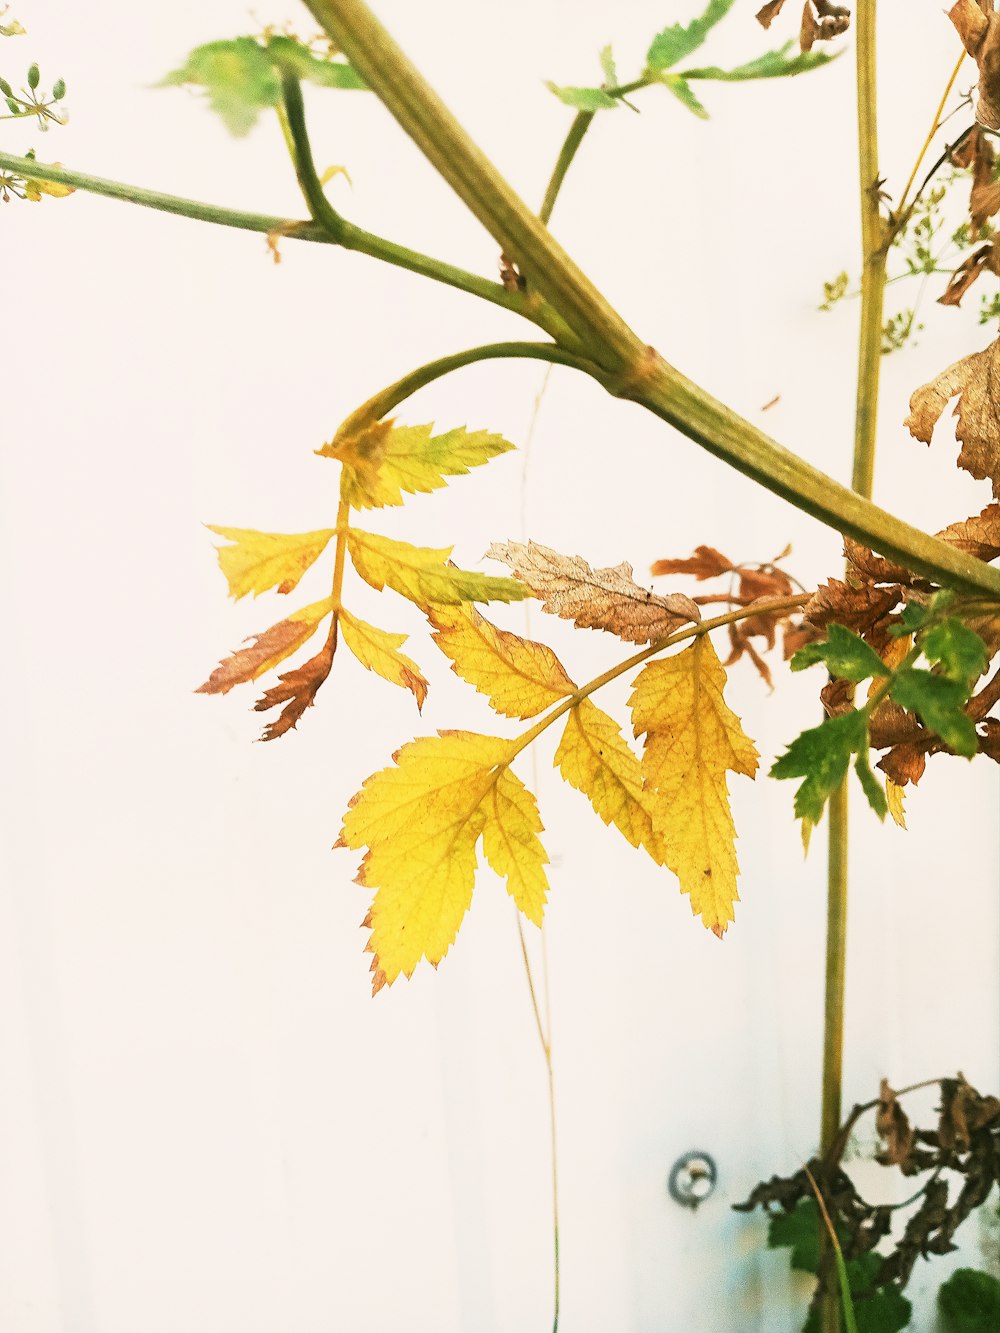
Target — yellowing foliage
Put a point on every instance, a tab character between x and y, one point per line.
378	650
383	460
520	678
594	757
420	821
423	574
267	649
692	740
259	561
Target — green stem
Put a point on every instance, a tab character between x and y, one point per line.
386	399
875	239
352	238
573	140
642	375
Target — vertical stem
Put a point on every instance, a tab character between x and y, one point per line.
874	247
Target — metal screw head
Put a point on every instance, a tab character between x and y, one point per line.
692	1179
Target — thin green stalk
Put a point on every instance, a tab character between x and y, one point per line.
352	237
390	397
642	375
875	239
573	140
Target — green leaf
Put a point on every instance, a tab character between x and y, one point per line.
584	99
871	786
938	702
608	67
238	77
821	756
845	654
798	1231
242	77
970	1302
914	618
684	93
676	42
771	65
883	1310
960	651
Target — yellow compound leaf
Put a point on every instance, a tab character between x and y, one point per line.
595	758
607	599
511	843
267	649
423	574
259	561
520	678
895	795
383	460
693	739
378	650
421	821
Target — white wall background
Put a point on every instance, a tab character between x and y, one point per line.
206	1124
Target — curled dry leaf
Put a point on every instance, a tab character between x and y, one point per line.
267	650
821	22
985	259
606	599
980	34
705	563
975	381
297	690
976	152
769	12
978	536
893	1126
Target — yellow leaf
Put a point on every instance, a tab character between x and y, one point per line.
383	460
594	757
423	574
267	649
333	171
520	678
894	794
607	599
511	844
692	739
421	821
258	561
378	650
34	189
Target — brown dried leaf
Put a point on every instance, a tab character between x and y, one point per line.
821	22
980	34
904	763
963	1112
770	11
989	738
981	260
872	568
606	599
892	1124
297	691
266	650
976	381
705	563
984	197
859	609
978	536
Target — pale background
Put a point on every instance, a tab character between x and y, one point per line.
206	1123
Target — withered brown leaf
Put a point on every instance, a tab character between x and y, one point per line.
821	22
980	34
963	1112
705	563
606	599
986	258
978	536
297	691
893	1125
975	380
769	12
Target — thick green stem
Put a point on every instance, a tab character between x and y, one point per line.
386	399
642	375
351	238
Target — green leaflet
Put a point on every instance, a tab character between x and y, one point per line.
771	65
242	76
821	756
938	702
684	93
845	654
960	651
584	99
676	42
970	1302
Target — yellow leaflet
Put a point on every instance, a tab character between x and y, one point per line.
521	678
34	189
267	649
423	574
258	561
594	757
894	794
383	460
421	821
378	650
692	739
511	845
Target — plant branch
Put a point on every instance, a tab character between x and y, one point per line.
573	140
642	375
352	238
900	212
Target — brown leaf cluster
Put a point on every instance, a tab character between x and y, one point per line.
964	1142
606	599
979	28
975	381
748	583
821	20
